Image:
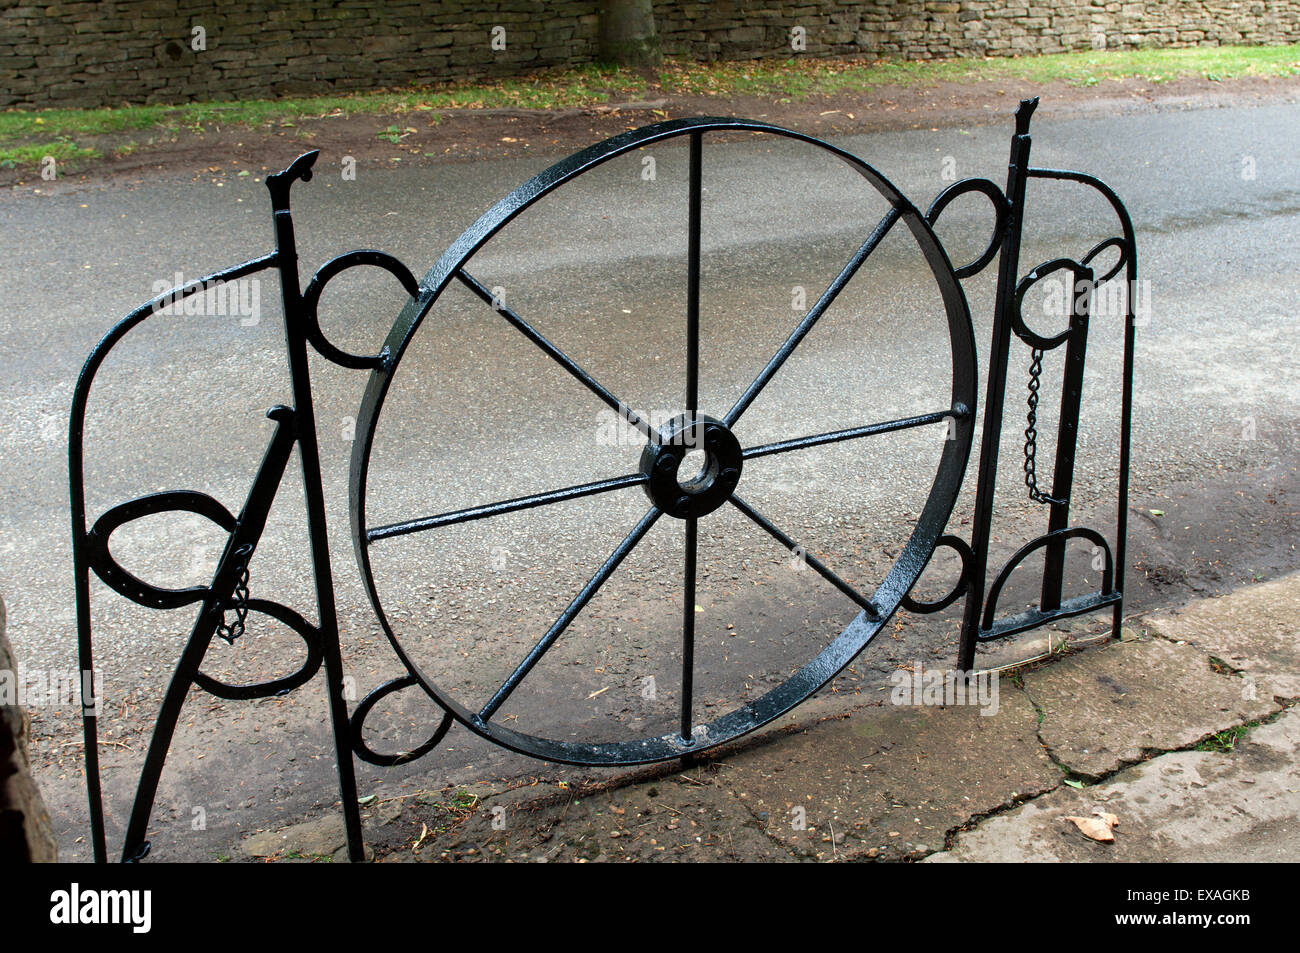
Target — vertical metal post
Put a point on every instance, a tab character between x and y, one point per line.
1008	274
695	434
1067	433
295	332
1125	429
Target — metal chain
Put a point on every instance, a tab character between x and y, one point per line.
1031	430
230	631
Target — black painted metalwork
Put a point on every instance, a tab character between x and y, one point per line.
666	447
980	622
224	603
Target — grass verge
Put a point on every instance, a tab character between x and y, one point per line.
71	136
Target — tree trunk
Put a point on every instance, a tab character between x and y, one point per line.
627	33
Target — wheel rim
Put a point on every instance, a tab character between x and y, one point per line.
662	456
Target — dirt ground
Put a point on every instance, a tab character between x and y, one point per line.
466	135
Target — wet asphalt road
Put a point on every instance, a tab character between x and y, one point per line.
477	414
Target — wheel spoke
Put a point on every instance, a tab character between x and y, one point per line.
822	569
593	385
504	506
814	314
570	612
693	280
870	430
688	630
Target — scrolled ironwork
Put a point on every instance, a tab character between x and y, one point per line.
720	482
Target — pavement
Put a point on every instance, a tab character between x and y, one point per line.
1185	730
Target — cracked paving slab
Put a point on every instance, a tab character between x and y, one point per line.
1113	705
891	782
1186	806
884	783
1254	630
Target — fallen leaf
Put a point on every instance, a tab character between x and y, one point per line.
1099	827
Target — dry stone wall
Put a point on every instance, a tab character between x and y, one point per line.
106	52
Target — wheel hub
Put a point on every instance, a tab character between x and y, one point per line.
693	468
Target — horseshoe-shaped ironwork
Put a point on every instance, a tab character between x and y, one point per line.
960	547
1120	261
311	301
276	686
125	583
367	704
1035	617
1023	330
999	202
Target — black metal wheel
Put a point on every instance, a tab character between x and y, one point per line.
720	480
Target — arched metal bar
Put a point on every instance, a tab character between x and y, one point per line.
999	201
81	552
311	301
358	723
1060	535
1121	212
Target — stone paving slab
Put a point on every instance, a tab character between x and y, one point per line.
685	817
1112	706
891	782
1186	806
1256	630
322	839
